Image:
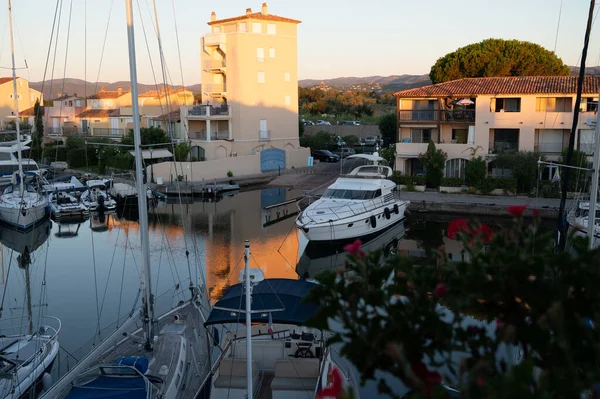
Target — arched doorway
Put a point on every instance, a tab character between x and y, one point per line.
288	147
221	152
455	168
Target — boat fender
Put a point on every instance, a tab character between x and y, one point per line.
46	381
387	213
373	221
216	336
396	209
406	213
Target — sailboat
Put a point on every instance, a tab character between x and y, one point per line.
283	358
162	359
21	205
27	355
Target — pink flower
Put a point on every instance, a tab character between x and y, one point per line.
440	290
486	233
498	323
457	226
335	388
428	378
517	210
354	248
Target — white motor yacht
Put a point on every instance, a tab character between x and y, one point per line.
578	220
358	204
97	193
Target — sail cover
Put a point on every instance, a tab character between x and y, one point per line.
269	294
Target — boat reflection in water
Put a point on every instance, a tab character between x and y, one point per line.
100	221
315	257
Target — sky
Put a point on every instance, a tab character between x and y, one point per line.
336	37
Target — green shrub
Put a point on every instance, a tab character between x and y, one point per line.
399	178
475	171
120	161
434	161
452	182
51	154
486	186
472	190
229	174
509	185
76	158
524	165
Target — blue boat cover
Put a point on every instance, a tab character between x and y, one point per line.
111	387
139	362
273	293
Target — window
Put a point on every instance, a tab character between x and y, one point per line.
550	140
260	54
553	104
586	141
420	135
459	136
77	103
505	105
271	29
261	77
286	76
263	132
288	100
217	29
70	103
351	194
272	52
242	27
455	168
256	27
589	104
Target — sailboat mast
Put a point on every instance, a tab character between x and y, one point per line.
145	284
248	320
591	227
16	98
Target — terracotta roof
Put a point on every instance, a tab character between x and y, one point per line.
509	85
171	116
65	96
102	94
29	111
6	80
161	93
256	15
98	113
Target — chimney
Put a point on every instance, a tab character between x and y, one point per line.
60	94
213	16
248	11
120	90
265	9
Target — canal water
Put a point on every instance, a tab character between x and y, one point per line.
87	273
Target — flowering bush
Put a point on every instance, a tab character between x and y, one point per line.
434	162
513	320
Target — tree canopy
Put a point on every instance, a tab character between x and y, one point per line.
497	57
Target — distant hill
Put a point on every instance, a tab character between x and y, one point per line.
595	70
393	82
81	87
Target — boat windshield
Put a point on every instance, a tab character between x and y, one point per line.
351	194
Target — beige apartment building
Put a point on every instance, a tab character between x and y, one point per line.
497	114
26	99
249	87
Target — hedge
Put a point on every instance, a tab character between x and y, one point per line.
76	158
406	179
452	182
120	161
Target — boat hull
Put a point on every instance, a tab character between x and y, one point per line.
357	226
33	216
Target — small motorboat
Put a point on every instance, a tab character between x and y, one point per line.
97	198
64	204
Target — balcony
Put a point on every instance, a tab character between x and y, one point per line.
214	89
203	136
549	148
435	115
217	66
407	149
214	40
107	132
264	135
499	147
206	111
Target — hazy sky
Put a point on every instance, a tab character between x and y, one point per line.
336	37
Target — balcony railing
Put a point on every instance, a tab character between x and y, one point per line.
214	88
214	64
497	147
549	148
215	39
202	135
264	135
447	116
107	131
208	110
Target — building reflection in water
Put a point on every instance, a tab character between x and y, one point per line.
220	228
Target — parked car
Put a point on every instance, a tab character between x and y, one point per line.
308	123
350	123
344	152
323	123
371	140
325	156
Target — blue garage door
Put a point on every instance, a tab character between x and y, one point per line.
272	159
